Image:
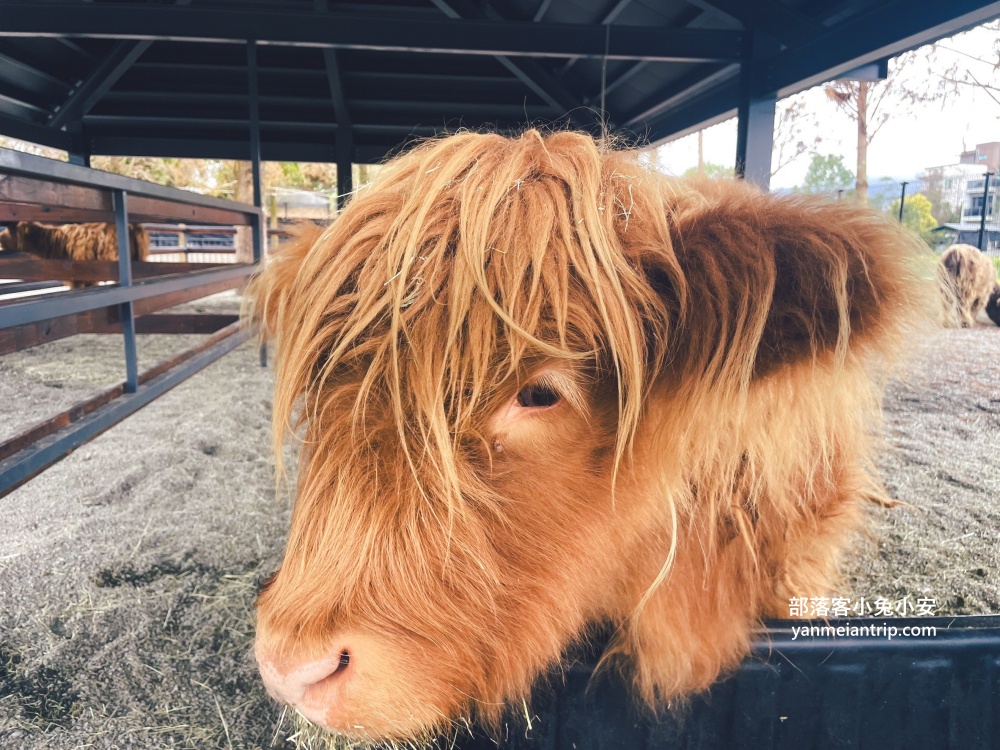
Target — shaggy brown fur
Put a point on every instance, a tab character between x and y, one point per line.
539	386
92	241
967	279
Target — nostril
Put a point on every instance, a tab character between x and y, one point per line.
342	664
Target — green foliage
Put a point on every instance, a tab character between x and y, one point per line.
827	174
918	216
303	176
712	171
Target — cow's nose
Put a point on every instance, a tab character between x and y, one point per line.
314	688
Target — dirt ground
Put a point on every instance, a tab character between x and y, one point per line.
128	570
943	461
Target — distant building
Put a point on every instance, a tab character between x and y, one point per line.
985	155
963	185
289	205
947	185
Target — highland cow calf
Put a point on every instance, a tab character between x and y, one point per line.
540	387
967	278
92	241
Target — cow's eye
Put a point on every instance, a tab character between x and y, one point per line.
534	396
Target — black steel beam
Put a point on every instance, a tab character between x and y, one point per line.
528	72
106	74
659	102
755	115
345	166
21	103
606	18
253	117
202	147
688	87
196	128
344	143
754	135
331	62
28	462
34	133
884	30
90	90
783	22
28	70
704	110
511	38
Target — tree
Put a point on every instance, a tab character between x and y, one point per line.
917	216
971	71
827	174
791	119
710	170
870	104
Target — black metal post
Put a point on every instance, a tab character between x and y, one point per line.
986	206
345	178
754	136
256	229
755	114
125	279
79	152
902	201
254	98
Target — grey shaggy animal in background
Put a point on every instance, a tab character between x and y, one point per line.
967	279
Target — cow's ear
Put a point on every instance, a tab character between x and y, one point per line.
265	297
769	280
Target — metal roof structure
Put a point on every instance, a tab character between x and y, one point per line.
339	80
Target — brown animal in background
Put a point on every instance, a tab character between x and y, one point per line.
967	276
91	241
993	305
541	387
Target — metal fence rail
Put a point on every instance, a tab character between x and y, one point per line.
33	188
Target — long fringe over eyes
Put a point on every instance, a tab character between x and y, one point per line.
464	259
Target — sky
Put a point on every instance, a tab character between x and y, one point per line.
928	135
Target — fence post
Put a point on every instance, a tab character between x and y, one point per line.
182	241
902	201
257	229
125	279
986	206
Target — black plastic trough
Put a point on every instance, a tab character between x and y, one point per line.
939	692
